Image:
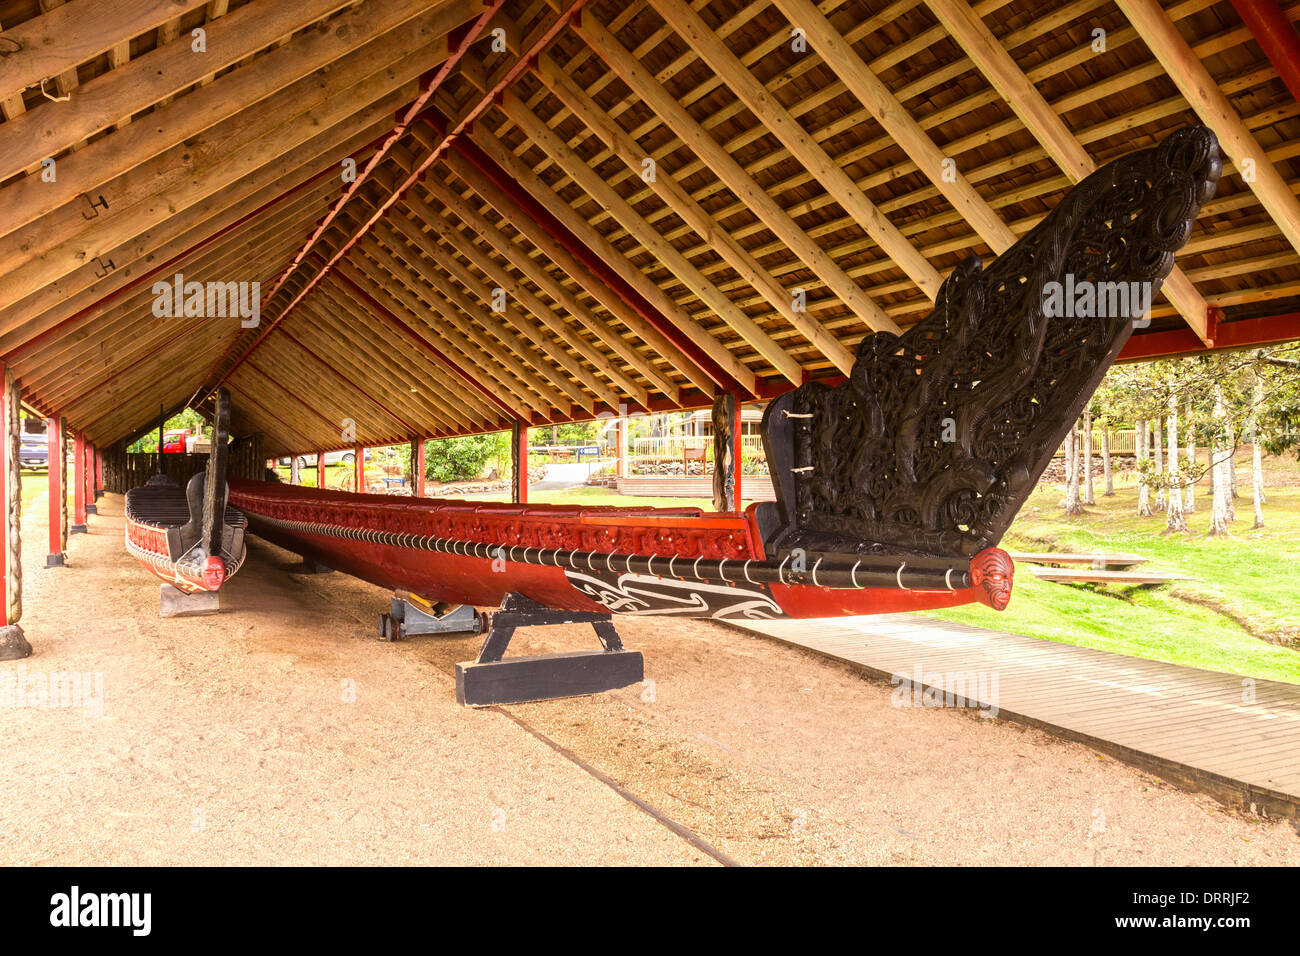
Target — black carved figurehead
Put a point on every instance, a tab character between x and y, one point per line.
939	434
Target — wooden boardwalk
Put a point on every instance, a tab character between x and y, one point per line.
1235	738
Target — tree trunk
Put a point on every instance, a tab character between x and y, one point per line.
1232	470
1140	456
1256	455
1175	522
1105	463
1218	480
1088	497
1189	506
1072	503
1157	441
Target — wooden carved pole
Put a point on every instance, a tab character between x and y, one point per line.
724	453
13	645
78	484
519	462
320	468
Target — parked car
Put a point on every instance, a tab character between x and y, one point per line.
34	450
331	458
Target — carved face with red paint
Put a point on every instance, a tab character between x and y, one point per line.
991	572
214	573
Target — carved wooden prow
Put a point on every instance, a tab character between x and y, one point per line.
940	434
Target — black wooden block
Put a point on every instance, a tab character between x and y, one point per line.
546	677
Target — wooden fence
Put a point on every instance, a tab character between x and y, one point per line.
123	471
1122	442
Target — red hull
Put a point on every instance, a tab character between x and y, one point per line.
569	558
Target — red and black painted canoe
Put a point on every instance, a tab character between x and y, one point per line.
893	487
677	561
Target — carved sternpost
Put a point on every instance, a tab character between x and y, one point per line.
519	463
724	453
13	645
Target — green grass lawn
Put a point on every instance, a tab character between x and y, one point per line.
1239	613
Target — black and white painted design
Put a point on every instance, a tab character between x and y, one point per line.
623	593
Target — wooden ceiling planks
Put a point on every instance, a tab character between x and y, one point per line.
796	205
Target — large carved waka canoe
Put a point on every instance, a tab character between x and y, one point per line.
894	487
190	539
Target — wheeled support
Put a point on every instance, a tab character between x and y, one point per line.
411	615
492	680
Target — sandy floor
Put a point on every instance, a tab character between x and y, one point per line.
282	731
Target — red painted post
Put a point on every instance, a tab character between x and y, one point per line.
620	448
92	485
419	467
1276	36
58	493
320	468
78	484
359	468
99	473
737	430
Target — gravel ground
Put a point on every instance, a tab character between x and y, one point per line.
281	731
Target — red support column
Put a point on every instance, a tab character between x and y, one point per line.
359	466
620	448
78	484
738	429
320	468
92	485
99	473
58	493
419	467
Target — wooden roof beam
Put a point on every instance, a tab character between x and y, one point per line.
840	56
425	216
59	40
476	319
476	158
446	260
622	145
358	339
560	251
1200	90
168	69
665	252
786	128
345	276
451	319
730	173
337	343
995	63
358	45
